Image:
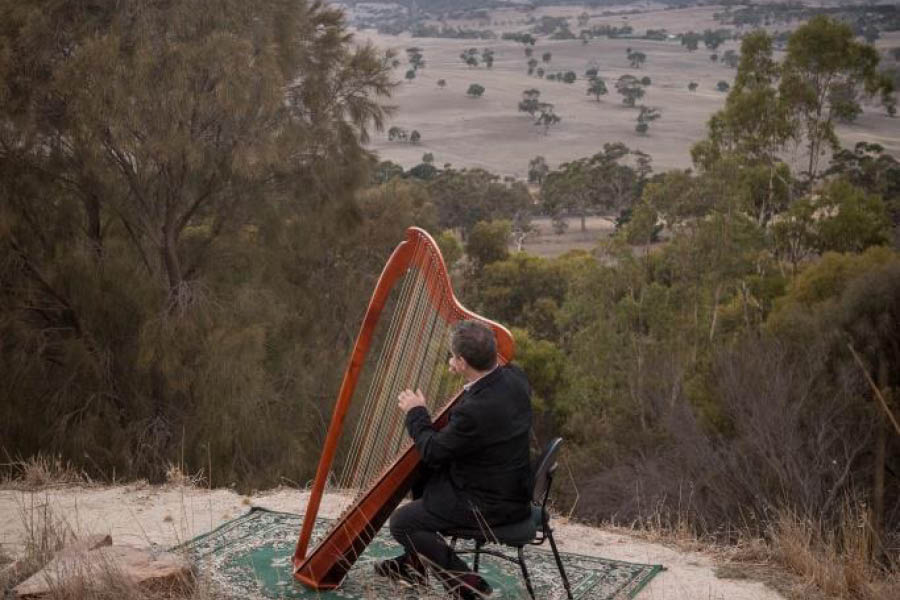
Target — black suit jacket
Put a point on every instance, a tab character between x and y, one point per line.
480	460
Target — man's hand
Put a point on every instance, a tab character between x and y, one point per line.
409	399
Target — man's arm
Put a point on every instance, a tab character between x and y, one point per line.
458	438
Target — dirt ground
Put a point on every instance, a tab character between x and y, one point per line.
489	132
142	515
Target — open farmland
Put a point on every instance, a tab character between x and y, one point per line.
489	131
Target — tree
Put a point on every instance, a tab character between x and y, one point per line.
539	72
690	40
530	102
692	86
591	73
722	86
713	39
532	63
428	158
822	56
487	55
177	154
546	56
415	136
731	58
528	52
488	242
537	170
470	57
415	57
475	90
442	83
630	88
597	88
714	57
646	81
636	59
547	117
410	74
569	77
645	117
397	133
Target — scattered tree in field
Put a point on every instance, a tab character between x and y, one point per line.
397	133
415	137
410	74
636	59
470	57
530	102
591	73
487	55
546	56
597	88
714	57
645	117
722	86
731	59
645	81
475	90
442	83
427	158
568	77
528	51
583	19
537	170
690	40
692	86
539	72
713	39
630	88
415	57
532	63
547	118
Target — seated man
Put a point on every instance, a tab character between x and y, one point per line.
477	469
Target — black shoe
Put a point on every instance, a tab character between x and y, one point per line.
402	570
471	586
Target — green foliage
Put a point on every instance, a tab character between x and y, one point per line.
692	86
451	249
597	88
475	90
158	292
646	116
636	59
630	88
537	170
488	243
850	220
723	86
463	198
822	58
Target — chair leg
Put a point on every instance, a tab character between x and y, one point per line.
562	571
478	546
525	573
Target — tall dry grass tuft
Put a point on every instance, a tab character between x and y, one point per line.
838	561
42	471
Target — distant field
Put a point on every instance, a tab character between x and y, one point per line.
546	243
489	132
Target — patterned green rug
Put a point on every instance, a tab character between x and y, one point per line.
250	557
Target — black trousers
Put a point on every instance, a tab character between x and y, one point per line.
417	530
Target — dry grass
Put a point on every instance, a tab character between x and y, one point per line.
40	472
837	561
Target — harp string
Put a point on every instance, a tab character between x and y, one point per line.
412	356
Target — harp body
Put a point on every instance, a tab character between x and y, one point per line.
418	332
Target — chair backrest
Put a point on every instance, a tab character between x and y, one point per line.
543	472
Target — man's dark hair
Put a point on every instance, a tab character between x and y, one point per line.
475	342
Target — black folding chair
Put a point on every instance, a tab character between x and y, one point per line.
533	530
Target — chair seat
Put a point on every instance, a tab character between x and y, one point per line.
511	534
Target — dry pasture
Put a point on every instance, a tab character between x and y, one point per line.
489	132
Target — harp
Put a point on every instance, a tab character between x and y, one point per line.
413	338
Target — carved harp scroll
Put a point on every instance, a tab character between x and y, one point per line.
381	463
